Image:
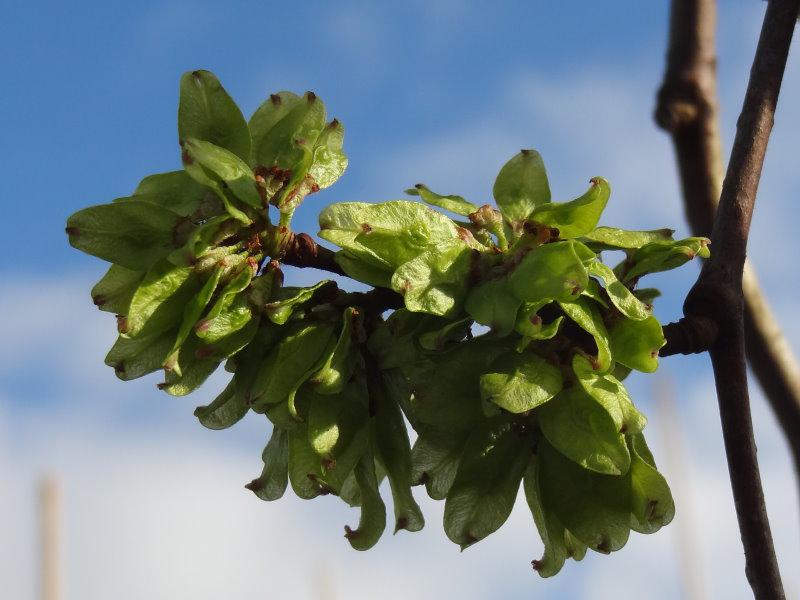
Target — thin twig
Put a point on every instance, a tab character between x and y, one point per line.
717	294
688	109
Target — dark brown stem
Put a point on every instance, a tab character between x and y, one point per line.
300	250
690	335
688	109
717	294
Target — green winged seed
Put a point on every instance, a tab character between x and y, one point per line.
204	239
340	364
652	506
132	358
191	314
628	304
207	112
305	466
189	371
454	331
291	363
583	431
131	233
232	318
636	343
114	291
550	272
578	217
434	460
232	309
455	204
544	332
595	508
596	293
662	256
551	530
492	304
372	523
435	282
446	392
266	116
178	192
610	238
335	420
521	185
609	392
287	137
585	313
226	410
287	300
394	452
220	169
385	235
362	271
329	162
250	360
345	418
323	425
231	344
159	301
520	382
529	323
486	484
274	478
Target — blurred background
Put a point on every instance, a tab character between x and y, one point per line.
149	503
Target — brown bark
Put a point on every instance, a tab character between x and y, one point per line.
688	109
717	295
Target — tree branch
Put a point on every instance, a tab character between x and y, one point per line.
688	109
717	294
690	335
300	250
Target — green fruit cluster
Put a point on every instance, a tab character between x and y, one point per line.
507	357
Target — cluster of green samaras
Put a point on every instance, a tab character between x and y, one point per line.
507	358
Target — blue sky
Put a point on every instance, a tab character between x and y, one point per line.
438	92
